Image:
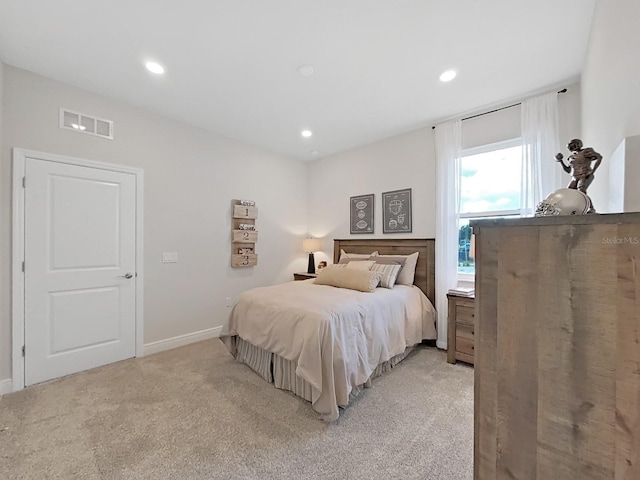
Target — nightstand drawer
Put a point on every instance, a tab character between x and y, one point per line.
464	345
464	330
465	313
461	328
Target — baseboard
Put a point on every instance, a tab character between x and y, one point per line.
6	386
180	340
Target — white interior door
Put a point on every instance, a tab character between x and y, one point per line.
80	289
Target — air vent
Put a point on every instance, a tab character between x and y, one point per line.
81	123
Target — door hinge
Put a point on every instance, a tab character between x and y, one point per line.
23	349
24	182
23	266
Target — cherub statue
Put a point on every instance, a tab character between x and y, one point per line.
579	165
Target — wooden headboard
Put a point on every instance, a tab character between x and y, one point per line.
425	278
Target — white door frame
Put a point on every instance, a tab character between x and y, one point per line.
17	275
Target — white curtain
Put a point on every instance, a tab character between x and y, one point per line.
448	148
540	171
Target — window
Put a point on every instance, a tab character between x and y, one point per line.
489	188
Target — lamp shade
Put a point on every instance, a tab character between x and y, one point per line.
310	245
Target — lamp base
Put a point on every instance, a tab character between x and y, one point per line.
312	264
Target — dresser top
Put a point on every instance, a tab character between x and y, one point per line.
590	219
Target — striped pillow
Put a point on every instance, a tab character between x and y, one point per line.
408	270
388	273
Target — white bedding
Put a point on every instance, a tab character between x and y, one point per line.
337	336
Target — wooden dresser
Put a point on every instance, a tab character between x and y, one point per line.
557	348
460	329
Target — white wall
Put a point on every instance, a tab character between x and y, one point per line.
408	161
405	161
5	257
610	85
191	176
624	172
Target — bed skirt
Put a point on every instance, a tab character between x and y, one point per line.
282	373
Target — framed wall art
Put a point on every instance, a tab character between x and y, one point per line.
361	214
396	211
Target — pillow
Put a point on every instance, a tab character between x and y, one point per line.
364	256
354	279
388	260
388	273
408	270
345	260
360	265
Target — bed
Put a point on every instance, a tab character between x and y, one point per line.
326	344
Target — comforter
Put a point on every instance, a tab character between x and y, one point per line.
336	336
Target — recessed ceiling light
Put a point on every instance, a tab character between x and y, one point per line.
305	70
306	133
448	76
154	67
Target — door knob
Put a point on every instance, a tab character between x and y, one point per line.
126	275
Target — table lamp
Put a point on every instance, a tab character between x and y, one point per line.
311	245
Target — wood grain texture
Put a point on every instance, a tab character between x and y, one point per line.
557	374
485	384
425	277
517	386
627	418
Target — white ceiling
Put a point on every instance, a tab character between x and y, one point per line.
232	64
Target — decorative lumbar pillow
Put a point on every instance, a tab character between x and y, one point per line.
354	279
388	273
360	264
408	270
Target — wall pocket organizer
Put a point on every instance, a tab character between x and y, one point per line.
244	235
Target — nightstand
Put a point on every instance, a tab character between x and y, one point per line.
460	329
304	276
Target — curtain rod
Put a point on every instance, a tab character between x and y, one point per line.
564	90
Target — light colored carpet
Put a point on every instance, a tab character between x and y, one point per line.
195	413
